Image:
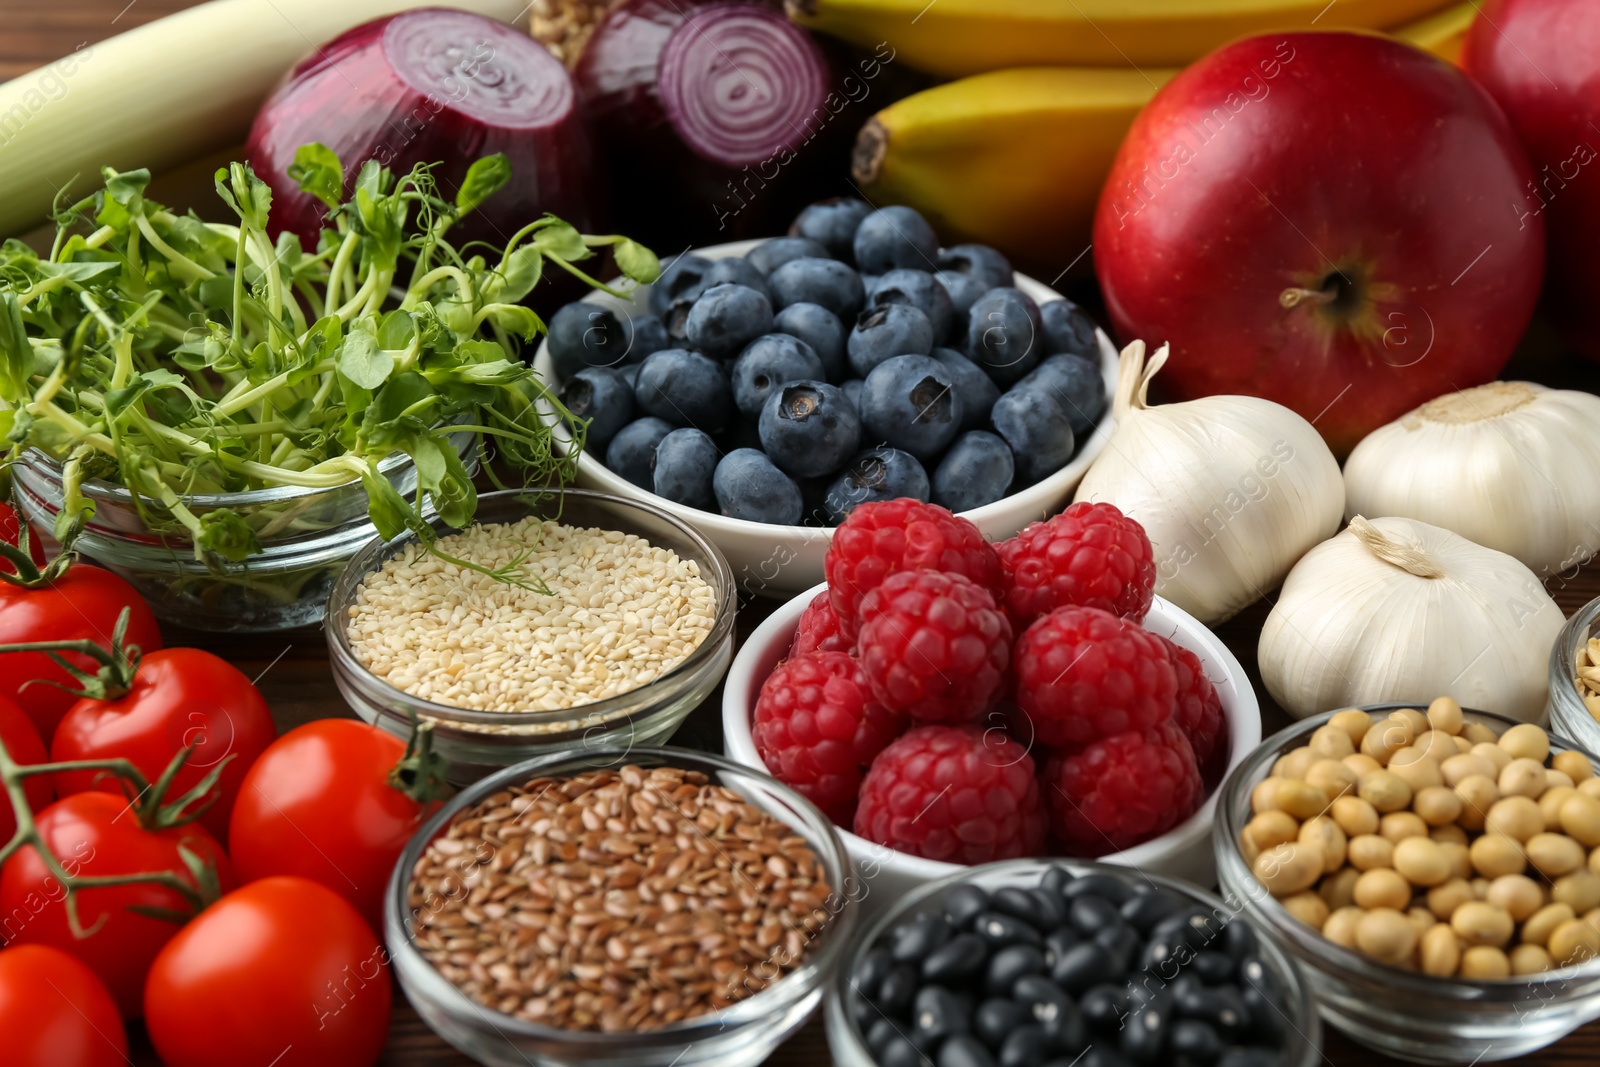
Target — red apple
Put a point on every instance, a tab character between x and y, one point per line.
1333	221
1540	59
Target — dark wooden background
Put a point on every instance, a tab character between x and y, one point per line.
293	669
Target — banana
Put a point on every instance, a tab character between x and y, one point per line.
1440	34
956	38
1014	158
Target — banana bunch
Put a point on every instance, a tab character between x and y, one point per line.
955	38
1016	158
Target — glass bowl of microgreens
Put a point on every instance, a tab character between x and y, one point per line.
224	417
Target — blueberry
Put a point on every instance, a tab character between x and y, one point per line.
876	474
748	486
832	224
922	291
585	334
741	433
977	470
726	318
911	402
895	237
630	374
983	264
675	320
1075	384
682	278
685	461
633	450
818	281
766	363
1068	329
852	392
881	333
1004	335
809	428
768	256
732	270
819	328
964	291
1037	430
685	388
603	396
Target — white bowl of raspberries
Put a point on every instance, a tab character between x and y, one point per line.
949	702
761	389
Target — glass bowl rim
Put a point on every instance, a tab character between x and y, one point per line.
1561	664
1306	1016
1225	834
829	849
376	550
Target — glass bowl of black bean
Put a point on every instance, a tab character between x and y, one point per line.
1046	962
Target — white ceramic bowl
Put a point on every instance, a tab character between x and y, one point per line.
885	875
780	560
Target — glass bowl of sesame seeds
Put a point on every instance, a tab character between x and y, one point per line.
621	907
559	620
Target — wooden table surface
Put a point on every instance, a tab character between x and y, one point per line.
293	666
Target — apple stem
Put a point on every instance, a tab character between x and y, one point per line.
1294	296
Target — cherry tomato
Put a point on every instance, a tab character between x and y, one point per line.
10	531
179	697
319	804
283	971
81	604
56	1013
22	741
97	834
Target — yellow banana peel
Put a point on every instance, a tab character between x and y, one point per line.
956	38
1441	33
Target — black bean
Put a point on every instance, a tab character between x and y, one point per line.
864	1013
899	986
880	1034
961	957
1056	943
1146	1033
1009	964
1266	1018
912	941
1106	886
877	963
1122	945
1103	1006
1144	910
1052	1009
1026	1047
1255	974
963	903
1090	914
1164	956
1250	1057
996	1018
937	1014
1187	992
1002	930
1019	903
1222	1009
1212	968
1055	879
901	1053
964	1050
1239	939
1196	1040
1196	927
1081	967
1099	1056
1052	907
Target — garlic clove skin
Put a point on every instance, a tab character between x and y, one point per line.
1395	610
1512	466
1231	490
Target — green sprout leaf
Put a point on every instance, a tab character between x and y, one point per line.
316	170
637	262
363	362
225	533
485	177
16	356
561	239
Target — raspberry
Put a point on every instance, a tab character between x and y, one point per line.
934	645
817	728
1198	711
879	539
1122	790
953	793
818	630
1091	555
1084	674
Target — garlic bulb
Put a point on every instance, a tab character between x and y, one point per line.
1510	465
1230	489
1398	610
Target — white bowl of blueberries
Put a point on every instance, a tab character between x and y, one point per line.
762	389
